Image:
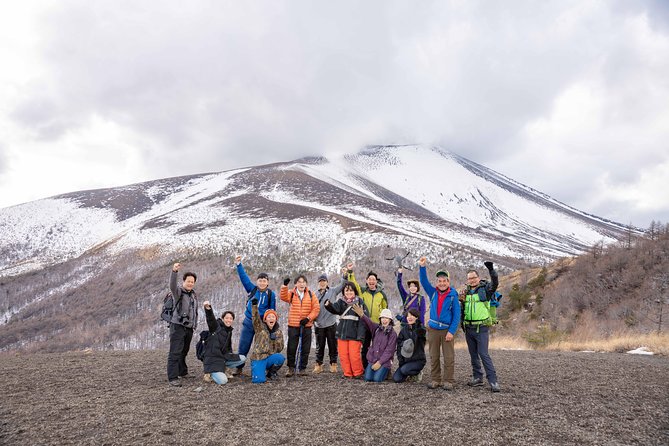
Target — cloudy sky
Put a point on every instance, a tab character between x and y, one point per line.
568	97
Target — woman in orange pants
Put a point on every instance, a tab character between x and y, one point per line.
350	331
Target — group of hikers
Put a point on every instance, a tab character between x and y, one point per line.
354	322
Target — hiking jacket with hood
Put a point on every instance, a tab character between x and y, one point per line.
218	346
266	298
476	308
325	318
418	303
350	327
449	316
266	342
308	306
416	333
375	300
185	303
384	343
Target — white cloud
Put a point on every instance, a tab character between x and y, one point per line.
554	94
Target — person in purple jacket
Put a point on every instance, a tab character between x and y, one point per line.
384	343
442	325
412	299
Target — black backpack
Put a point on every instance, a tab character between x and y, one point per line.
201	343
168	307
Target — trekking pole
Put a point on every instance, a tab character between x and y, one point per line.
299	350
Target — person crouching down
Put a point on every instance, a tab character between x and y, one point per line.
266	359
410	348
382	348
350	330
218	354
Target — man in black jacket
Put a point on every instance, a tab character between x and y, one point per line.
184	321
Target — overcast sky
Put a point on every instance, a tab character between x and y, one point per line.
568	97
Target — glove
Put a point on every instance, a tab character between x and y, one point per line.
286	281
304	321
488	265
398	317
254	301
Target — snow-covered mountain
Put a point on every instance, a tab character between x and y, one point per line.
384	194
89	268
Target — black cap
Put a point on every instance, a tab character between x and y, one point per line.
263	276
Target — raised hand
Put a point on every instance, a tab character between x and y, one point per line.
176	267
488	265
238	260
254	301
206	305
357	309
422	261
286	281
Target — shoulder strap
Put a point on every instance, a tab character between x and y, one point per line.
251	294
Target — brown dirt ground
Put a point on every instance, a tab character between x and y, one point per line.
120	398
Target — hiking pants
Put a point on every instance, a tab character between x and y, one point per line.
246	338
437	341
349	356
293	342
376	376
259	367
221	378
407	369
477	338
324	334
365	346
180	338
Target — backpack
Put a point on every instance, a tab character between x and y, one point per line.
494	304
270	295
201	343
168	307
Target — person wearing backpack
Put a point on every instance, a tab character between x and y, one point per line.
182	324
411	299
325	324
382	347
218	354
376	301
266	359
476	324
410	348
266	301
304	309
350	330
442	325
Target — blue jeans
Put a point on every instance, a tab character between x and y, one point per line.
246	337
376	376
221	378
259	367
408	369
477	343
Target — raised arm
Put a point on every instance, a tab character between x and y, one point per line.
400	286
491	287
212	324
425	282
246	280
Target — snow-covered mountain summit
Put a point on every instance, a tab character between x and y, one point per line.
392	194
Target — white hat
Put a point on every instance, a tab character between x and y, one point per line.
386	313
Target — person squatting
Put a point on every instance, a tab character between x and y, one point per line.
354	323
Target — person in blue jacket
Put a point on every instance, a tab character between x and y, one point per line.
266	301
442	325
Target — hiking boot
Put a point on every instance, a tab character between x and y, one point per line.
333	368
230	375
448	386
419	377
495	387
272	372
290	372
433	385
207	378
175	383
318	368
475	382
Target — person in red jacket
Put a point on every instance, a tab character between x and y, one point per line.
304	309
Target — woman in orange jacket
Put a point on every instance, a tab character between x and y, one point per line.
304	308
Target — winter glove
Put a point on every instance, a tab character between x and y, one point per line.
254	301
488	265
286	281
304	321
398	317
